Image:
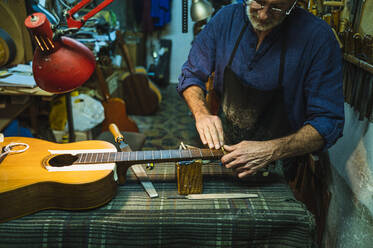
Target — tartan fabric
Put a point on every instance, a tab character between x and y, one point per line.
131	219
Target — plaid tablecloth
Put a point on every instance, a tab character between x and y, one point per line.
131	219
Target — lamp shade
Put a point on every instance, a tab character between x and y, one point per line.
60	64
200	10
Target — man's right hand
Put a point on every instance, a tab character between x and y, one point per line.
210	130
208	126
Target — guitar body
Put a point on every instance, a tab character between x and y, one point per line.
115	112
26	186
140	98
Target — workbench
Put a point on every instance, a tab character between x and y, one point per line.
132	219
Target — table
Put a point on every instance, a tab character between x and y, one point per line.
132	219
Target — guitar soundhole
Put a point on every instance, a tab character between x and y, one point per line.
62	160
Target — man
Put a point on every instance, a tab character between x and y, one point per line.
278	73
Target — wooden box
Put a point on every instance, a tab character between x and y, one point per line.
189	177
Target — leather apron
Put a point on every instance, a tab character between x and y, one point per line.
248	113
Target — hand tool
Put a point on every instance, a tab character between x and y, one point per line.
136	169
214	196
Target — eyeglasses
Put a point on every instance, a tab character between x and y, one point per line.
259	5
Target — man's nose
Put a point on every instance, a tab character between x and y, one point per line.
263	13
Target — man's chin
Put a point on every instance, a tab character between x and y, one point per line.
262	27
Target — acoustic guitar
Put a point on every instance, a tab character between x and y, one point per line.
39	179
141	95
115	108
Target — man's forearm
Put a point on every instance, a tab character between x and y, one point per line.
195	98
306	140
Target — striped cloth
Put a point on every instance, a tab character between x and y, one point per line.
131	219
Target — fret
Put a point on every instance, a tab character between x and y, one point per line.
160	152
88	158
136	156
212	154
165	154
99	156
175	154
194	153
147	155
115	157
141	158
169	153
93	157
123	156
157	155
152	155
80	158
200	152
112	156
132	156
84	157
128	155
184	154
105	157
190	153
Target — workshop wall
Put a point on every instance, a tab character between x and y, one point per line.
350	218
367	18
181	42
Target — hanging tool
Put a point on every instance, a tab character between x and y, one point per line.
184	16
137	168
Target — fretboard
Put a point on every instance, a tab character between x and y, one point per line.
141	157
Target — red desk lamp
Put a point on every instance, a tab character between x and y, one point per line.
61	64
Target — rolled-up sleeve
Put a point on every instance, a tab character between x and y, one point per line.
324	91
201	59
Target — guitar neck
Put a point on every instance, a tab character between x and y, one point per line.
141	157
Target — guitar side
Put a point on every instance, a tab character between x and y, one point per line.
26	186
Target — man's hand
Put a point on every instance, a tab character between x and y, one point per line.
247	157
209	126
210	130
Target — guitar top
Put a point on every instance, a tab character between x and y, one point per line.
30	180
26	186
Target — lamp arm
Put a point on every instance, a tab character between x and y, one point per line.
73	23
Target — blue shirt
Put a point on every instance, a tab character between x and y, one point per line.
312	72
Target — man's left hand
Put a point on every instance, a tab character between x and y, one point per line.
247	157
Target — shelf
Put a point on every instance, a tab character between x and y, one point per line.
10	112
358	62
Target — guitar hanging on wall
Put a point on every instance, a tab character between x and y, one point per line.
141	95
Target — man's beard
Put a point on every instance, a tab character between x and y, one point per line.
263	26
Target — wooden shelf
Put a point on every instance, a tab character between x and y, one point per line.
10	112
358	62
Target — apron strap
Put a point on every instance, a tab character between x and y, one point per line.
282	59
237	43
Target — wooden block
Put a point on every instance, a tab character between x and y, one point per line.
189	177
